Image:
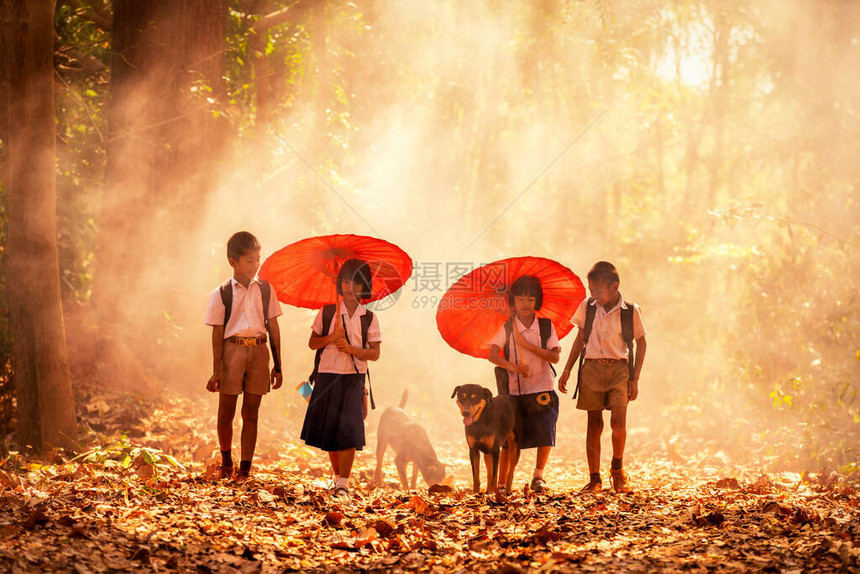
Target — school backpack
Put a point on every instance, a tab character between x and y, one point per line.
502	380
626	333
226	290
327	316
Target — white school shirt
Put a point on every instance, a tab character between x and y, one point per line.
606	340
540	377
332	360
246	316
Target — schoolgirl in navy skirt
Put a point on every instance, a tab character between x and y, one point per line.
529	377
334	421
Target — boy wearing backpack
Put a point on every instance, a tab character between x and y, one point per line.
241	311
528	344
608	376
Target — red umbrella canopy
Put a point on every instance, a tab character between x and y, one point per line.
304	273
475	307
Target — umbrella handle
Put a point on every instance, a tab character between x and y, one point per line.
516	354
336	307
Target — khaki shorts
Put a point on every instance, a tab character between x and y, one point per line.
245	369
603	385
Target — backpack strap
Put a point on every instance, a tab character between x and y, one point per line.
545	326
509	331
366	320
226	290
327	316
590	310
627	334
266	292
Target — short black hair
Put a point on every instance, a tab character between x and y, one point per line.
241	243
527	285
356	270
604	271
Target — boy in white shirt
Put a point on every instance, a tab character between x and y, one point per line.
606	380
240	357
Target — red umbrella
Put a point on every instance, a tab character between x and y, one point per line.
475	307
304	273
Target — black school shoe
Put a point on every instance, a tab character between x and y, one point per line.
538	485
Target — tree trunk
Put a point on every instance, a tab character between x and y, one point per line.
718	163
319	37
695	131
46	409
260	62
165	141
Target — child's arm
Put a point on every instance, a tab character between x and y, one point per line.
277	379
633	386
548	355
214	383
575	351
371	354
320	341
497	359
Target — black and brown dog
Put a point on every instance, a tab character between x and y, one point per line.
409	441
490	422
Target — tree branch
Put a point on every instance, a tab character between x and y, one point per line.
98	17
80	63
280	16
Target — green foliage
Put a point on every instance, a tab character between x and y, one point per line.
286	49
796	318
83	77
126	455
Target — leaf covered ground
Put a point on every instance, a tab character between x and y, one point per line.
128	506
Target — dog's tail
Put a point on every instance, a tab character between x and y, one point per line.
403	398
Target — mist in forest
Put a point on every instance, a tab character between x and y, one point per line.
662	137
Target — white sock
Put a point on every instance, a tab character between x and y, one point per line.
341	481
538	473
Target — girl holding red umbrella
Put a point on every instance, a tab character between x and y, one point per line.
533	299
527	357
334	421
314	273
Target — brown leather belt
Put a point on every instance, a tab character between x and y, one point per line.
247	341
606	361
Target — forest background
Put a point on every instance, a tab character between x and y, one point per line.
707	148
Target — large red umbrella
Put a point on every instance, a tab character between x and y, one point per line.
475	307
304	273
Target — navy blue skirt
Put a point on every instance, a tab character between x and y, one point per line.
335	417
537	416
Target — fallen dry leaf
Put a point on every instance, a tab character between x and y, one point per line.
103	516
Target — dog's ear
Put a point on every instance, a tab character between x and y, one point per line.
456	390
488	393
